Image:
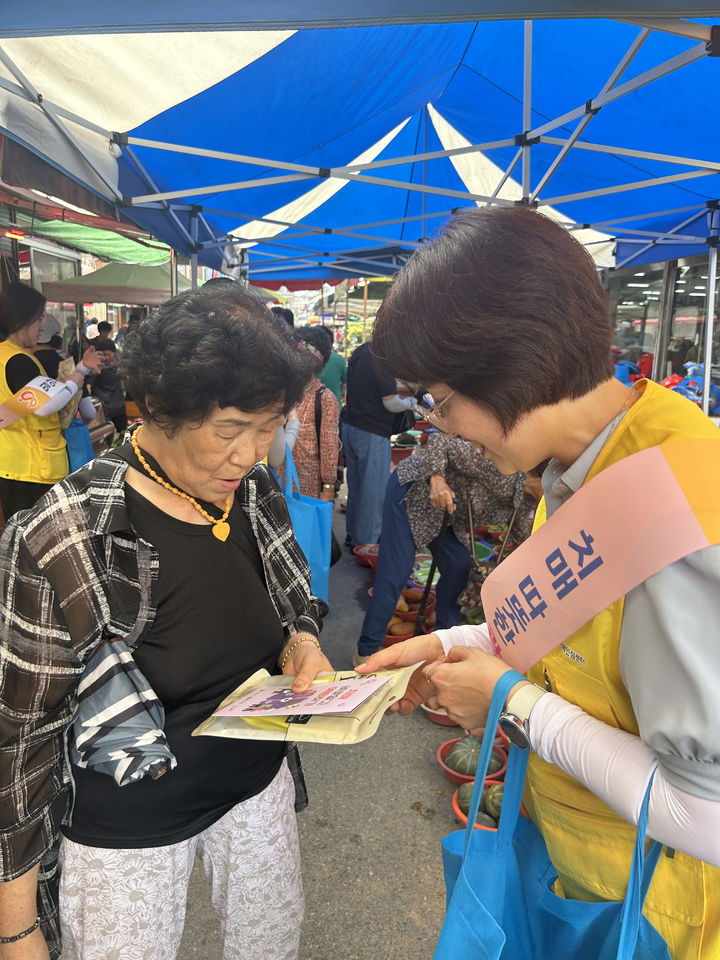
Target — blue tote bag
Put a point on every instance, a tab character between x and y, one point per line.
79	447
312	524
500	903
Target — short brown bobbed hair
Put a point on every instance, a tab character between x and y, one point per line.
505	307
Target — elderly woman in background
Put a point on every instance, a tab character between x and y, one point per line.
512	336
33	454
443	475
315	444
179	544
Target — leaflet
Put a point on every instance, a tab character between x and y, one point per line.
338	708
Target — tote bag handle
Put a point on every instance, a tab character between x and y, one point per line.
291	475
643	865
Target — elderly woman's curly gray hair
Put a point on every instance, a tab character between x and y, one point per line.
209	348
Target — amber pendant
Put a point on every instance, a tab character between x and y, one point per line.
221	530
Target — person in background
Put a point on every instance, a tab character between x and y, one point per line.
315	450
334	373
107	386
105	330
33	454
285	314
49	342
368	421
441	475
629	700
177	547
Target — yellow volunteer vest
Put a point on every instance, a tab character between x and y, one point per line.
33	448
589	844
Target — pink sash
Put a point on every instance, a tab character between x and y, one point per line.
627	523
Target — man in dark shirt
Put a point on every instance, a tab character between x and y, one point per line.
368	421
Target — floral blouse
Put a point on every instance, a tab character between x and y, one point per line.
315	468
468	474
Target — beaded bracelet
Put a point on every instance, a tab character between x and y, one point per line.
25	933
305	638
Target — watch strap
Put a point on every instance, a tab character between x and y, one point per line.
521	703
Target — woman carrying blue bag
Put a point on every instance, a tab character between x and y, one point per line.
617	719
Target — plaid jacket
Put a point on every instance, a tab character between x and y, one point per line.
72	575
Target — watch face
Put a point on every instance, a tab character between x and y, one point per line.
514	730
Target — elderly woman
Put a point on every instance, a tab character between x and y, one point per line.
442	475
33	454
314	438
512	339
179	544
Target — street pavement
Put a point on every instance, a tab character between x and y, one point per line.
371	835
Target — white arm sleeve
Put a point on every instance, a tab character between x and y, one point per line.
616	766
283	435
466	635
62	394
398	404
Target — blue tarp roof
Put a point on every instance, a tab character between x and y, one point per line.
315	102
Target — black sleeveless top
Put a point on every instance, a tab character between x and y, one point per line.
215	626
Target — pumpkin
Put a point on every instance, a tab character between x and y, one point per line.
485	820
496	762
463	796
463	758
492	798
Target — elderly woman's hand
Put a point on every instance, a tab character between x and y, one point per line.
306	662
465	681
441	495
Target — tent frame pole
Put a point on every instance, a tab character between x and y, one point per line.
661	70
626	187
55	120
153	186
670	271
609	84
194	255
712	242
527	108
669	235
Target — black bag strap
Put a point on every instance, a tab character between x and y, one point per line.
318	413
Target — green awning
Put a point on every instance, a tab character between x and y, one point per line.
105	244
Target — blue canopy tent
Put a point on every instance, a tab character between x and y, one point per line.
252	146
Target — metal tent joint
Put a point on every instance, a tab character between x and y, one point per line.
712	46
590	110
713	241
121	139
523	140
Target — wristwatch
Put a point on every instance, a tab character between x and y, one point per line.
515	718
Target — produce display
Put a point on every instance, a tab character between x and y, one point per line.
402	623
473	615
463	758
421	573
407	439
490	803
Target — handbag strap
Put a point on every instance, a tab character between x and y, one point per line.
318	413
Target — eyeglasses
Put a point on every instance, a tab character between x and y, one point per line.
433	412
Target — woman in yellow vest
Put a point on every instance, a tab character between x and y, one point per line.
32	450
511	338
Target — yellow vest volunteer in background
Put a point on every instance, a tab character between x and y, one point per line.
511	338
33	453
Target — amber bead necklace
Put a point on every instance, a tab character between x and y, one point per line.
220	528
